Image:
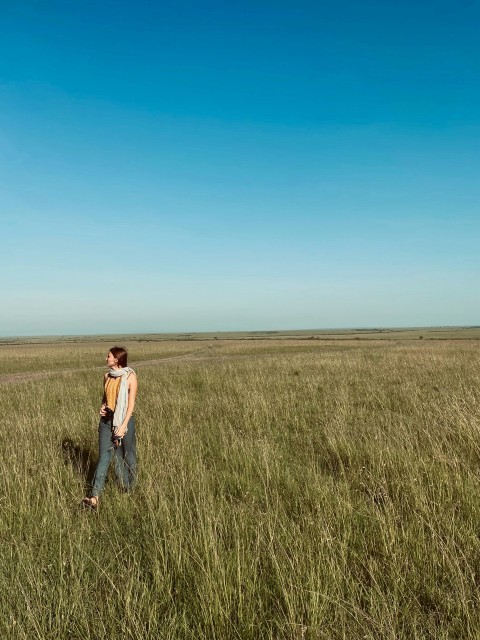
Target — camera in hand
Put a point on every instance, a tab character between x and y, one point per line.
117	440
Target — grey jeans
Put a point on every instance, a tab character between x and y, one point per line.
125	457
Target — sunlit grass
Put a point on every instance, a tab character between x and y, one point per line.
51	357
324	491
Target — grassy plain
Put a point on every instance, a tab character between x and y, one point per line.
289	489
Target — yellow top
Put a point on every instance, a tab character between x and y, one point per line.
112	385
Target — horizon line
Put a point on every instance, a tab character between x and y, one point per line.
243	331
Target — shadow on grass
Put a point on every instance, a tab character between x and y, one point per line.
80	459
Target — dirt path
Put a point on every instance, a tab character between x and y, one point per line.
191	356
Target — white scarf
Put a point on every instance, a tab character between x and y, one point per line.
122	398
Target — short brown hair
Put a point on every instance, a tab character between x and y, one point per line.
121	354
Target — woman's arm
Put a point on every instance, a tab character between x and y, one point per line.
132	394
104	397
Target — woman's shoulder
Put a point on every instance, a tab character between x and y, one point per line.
132	380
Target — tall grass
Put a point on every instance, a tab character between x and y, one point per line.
328	491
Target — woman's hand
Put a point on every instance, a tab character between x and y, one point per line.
102	410
118	434
120	431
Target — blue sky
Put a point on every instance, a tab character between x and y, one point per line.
233	166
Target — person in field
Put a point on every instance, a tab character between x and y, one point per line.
116	431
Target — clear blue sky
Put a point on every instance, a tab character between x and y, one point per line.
238	165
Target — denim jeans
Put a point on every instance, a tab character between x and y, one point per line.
125	457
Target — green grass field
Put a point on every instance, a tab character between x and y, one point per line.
289	488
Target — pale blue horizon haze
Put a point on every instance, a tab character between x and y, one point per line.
238	166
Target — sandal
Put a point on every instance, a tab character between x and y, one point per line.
90	503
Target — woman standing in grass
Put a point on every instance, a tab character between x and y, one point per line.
116	431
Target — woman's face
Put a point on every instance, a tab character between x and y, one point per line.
111	360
